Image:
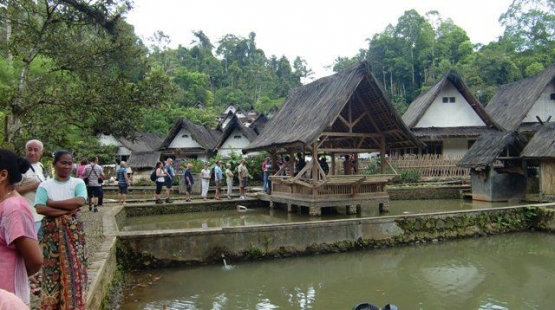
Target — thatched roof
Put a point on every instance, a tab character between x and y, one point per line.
234	124
438	133
206	137
420	105
139	160
326	104
489	146
512	102
142	142
542	145
259	123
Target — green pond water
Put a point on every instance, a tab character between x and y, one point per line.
512	271
261	216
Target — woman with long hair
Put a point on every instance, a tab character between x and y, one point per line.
20	254
65	266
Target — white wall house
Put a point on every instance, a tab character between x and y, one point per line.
448	118
543	107
190	140
235	143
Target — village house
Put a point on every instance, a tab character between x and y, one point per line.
520	160
189	140
141	153
235	136
448	118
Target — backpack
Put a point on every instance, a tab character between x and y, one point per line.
153	175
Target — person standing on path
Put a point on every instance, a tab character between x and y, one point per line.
243	178
218	177
168	179
229	180
20	253
65	263
27	188
95	175
204	181
160	180
188	182
123	182
32	178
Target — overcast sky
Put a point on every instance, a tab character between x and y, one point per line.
318	31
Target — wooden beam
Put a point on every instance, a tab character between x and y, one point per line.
348	151
350	134
359	118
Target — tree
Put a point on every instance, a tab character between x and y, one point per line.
530	24
73	66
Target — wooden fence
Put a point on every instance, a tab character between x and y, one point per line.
430	165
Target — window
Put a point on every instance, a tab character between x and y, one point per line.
237	137
451	99
470	143
185	136
447	99
433	147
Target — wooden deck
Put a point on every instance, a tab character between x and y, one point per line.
352	191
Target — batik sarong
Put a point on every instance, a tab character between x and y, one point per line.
64	271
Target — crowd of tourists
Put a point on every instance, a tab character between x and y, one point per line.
42	238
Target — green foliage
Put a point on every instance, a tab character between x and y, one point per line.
409	176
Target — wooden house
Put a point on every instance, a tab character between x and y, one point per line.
344	113
235	136
497	170
448	118
540	152
189	140
526	104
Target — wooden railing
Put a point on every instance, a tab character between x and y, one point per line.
335	186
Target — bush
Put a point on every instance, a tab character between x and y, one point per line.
409	176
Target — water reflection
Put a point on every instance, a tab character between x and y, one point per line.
513	271
263	216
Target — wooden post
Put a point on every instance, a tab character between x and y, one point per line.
332	168
382	154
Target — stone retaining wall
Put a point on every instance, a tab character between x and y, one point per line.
205	246
420	193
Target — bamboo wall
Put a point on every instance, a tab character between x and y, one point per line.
548	177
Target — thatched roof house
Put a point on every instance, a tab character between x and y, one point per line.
448	112
259	123
542	145
141	143
187	139
523	102
491	146
347	111
235	136
497	172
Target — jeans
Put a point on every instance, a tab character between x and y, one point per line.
265	181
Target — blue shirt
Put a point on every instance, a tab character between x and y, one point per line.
169	170
189	175
218	175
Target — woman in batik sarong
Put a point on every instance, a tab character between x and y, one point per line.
64	271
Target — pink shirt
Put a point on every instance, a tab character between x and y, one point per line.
16	221
8	301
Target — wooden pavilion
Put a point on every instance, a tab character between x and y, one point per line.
344	113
